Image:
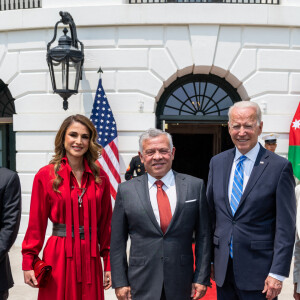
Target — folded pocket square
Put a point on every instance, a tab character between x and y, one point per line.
188	201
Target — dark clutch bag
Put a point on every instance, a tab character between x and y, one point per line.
42	272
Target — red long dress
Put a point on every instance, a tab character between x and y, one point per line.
77	270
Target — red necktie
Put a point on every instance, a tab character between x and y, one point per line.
163	206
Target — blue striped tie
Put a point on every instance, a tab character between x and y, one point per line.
237	191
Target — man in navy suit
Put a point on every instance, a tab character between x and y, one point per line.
252	202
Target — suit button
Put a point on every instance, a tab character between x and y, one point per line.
162	258
233	222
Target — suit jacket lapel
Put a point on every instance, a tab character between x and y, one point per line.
181	194
228	161
143	193
258	168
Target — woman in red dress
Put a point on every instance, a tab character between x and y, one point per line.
74	193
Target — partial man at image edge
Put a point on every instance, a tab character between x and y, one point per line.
271	141
252	202
160	210
296	273
10	214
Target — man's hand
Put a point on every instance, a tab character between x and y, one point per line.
296	295
123	293
198	291
30	279
107	280
272	287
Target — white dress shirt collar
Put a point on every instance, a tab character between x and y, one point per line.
252	154
168	179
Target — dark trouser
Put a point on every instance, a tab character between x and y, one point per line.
229	290
163	295
4	295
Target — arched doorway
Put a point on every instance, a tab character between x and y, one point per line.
7	135
194	110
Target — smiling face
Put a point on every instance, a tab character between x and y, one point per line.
243	128
77	139
157	156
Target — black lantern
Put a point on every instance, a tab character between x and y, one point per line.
65	60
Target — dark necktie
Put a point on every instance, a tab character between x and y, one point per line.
164	207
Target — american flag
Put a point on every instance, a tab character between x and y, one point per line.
105	124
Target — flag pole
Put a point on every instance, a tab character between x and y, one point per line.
100	71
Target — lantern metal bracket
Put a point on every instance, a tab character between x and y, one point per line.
67	19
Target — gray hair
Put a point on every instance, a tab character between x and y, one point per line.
246	104
152	133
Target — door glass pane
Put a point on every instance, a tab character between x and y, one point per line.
198	95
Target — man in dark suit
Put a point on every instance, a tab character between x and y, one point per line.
10	213
251	197
135	168
160	211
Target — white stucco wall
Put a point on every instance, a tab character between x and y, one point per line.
142	49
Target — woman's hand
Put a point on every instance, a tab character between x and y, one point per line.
107	280
30	279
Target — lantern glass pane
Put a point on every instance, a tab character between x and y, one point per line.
74	76
60	74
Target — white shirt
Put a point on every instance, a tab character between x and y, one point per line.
248	167
168	187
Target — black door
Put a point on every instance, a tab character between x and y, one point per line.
196	144
7	147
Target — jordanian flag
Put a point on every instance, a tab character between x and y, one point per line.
294	147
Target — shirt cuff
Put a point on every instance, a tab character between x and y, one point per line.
298	288
296	276
278	277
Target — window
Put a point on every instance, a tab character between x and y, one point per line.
207	1
194	97
7	135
